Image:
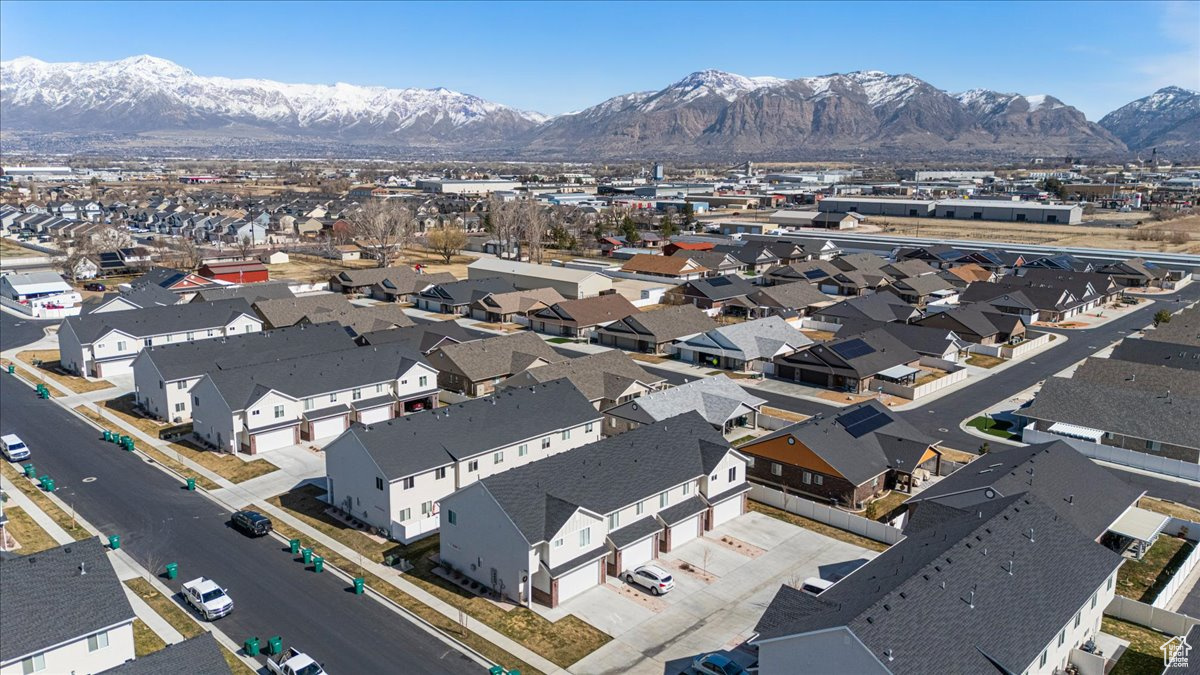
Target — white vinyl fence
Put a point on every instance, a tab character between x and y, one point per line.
1107	453
1128	609
824	514
1024	348
1190	531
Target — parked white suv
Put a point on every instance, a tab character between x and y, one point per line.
208	598
14	448
653	577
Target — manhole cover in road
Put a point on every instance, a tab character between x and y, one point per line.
943	429
90	479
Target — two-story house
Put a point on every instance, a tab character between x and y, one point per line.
393	475
551	530
475	368
606	378
100	345
309	398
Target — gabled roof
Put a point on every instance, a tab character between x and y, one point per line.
662	264
603	375
867	353
718	399
144	295
793	295
266	290
718	288
927	340
750	340
973	319
48	601
877	306
192	359
492	357
863	262
713	260
923	285
970	272
423	337
150	321
1134	267
964	598
591	311
288	311
1158	353
466	291
807	270
1182	329
904	269
423	441
606	475
518	301
200	655
665	324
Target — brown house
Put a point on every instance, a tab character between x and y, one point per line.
670	267
475	368
578	318
973	324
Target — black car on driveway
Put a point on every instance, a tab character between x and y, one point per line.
251	522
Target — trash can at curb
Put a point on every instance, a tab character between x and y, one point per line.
172	570
318	564
114	541
191	483
274	645
295	545
30	471
308	556
359	584
250	646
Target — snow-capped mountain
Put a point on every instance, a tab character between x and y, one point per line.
1168	119
1005	115
146	94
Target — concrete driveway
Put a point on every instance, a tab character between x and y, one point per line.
715	605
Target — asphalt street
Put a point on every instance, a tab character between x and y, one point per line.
15	331
160	522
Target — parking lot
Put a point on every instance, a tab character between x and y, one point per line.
723	583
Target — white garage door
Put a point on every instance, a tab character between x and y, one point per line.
727	510
685	531
638	554
273	440
373	415
578	581
328	427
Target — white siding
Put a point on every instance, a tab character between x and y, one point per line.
831	651
483	536
353	485
74	657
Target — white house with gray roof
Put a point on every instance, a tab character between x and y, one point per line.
718	399
393	475
553	529
747	346
101	345
309	398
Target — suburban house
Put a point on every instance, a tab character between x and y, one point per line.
475	368
101	345
974	323
788	299
747	346
548	531
175	281
137	296
1057	295
1134	273
309	398
938	343
394	474
606	378
724	294
235	271
851	364
263	290
848	459
201	655
811	271
281	312
34	293
669	267
163	376
941	256
1113	408
580	318
424	337
514	306
402	288
403	281
938	572
1183	329
725	405
65	611
717	262
569	282
1159	353
653	331
876	307
906	269
758	256
992	260
456	297
919	291
970	273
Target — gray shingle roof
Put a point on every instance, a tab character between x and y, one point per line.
665	324
159	320
877	306
266	290
47	601
717	399
287	311
718	288
603	375
590	311
606	475
1182	329
751	340
145	295
192	359
1158	353
886	351
971	317
200	655
936	602
677	513
498	356
422	337
467	291
635	531
927	340
426	440
794	295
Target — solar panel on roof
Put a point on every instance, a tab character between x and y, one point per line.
866	426
856	416
719	281
814	273
852	349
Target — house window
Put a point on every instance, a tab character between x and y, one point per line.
148	342
1042	661
195	400
422	381
687	487
439	473
182	384
427	508
254	413
818	479
333	397
1078	615
405	514
120	345
546	443
585	537
379	388
807	478
1110	583
614	520
776	469
587	428
309	403
1062	637
1093	601
732	474
558	543
278	411
641	506
498	458
34	664
875	483
566	434
98	641
473	465
210	332
379	483
452	517
409	482
663	499
356	395
523	450
179	407
1153	446
191	336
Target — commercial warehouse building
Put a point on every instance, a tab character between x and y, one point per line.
959	209
466	187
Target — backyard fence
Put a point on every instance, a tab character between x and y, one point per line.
1108	453
1025	347
800	506
1128	609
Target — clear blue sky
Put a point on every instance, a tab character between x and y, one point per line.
558	57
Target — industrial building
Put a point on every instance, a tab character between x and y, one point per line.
466	187
1010	211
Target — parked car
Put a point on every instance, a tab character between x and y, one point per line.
294	662
815	585
252	523
95	287
653	577
14	448
208	598
717	664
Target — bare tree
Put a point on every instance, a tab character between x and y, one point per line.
446	241
533	227
187	253
109	238
244	247
383	227
504	223
69	262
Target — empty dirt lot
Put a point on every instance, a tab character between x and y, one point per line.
1093	236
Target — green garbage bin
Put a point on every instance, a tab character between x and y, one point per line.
42	481
48	485
294	544
11	369
114	437
114	541
496	670
318	564
275	645
359	585
250	646
308	556
172	570
105	435
191	483
514	671
30	472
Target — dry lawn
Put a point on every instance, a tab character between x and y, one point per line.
30	536
50	366
145	641
983	361
1170	508
32	379
149	450
43	502
11	249
165	607
852	399
957	455
784	414
820	528
1142	657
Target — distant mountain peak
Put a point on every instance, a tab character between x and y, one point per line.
1168	119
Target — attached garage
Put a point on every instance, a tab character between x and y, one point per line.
683	522
273	440
329	426
102	369
685	531
573	583
375	415
632	545
723	512
638	553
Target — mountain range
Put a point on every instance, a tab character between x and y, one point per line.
151	105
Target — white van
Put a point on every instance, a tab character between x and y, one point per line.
815	585
14	448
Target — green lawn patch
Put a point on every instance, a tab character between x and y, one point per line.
992	426
560	340
1142	656
1144	579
